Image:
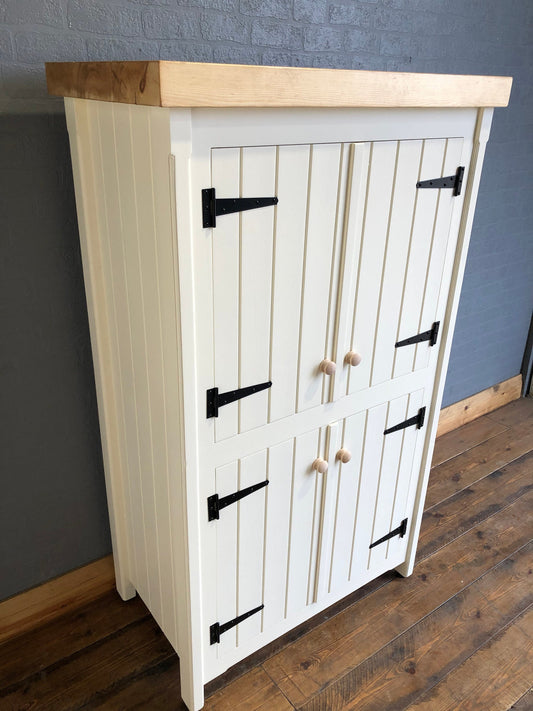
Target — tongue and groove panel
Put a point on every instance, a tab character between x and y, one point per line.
350	258
308	534
400	241
272	278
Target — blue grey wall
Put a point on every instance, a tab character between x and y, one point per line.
52	498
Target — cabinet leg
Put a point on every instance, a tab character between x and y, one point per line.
192	694
406	568
125	589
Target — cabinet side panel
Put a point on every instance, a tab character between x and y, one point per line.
130	148
102	322
170	433
143	146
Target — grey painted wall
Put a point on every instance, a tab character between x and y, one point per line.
52	498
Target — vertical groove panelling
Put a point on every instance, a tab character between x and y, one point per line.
273	287
407	467
417	263
108	391
258	179
127	218
314	530
119	319
319	252
153	367
407	168
391	456
383	316
302	282
124	168
330	485
292	178
336	256
346	504
174	364
226	287
302	509
226	565
141	274
289	537
167	404
354	556
357	185
376	220
372	457
251	545
142	584
277	524
439	246
377	475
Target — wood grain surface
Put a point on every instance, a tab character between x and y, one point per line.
191	84
457	634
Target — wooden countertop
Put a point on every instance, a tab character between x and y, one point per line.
191	84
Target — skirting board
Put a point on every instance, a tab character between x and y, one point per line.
479	404
22	612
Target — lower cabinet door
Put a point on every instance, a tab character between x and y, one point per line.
308	520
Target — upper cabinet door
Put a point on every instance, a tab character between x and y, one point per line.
311	296
395	243
275	277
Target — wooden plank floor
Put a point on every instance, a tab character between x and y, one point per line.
457	634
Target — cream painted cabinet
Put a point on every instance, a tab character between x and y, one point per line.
272	285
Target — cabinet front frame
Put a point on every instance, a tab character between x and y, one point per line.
194	133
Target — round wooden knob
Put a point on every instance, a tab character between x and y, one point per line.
344	455
327	366
353	358
320	465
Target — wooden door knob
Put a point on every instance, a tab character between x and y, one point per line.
344	455
320	465
327	366
353	358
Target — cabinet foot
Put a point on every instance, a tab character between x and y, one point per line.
125	589
406	568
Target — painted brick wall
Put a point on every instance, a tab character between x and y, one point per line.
52	504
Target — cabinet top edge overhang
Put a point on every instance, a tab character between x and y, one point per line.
198	84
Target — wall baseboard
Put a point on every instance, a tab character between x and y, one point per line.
22	612
479	404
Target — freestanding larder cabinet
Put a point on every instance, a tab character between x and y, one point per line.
273	260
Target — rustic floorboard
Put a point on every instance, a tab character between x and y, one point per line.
464	438
456	635
525	702
463	470
491	679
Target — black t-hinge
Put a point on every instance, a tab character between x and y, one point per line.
215	503
430	336
212	206
216	399
451	181
417	420
400	531
217	629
